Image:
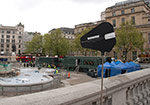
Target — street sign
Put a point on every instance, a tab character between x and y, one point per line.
100	38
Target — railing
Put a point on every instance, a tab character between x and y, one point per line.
127	89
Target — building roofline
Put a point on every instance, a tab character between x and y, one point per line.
89	23
121	3
8	27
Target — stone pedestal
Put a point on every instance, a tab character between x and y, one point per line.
13	57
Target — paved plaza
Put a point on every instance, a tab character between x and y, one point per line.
75	78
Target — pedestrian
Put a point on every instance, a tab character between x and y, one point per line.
49	66
27	64
56	71
54	67
31	64
39	67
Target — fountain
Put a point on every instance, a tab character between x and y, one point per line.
16	81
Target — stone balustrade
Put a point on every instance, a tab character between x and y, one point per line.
127	89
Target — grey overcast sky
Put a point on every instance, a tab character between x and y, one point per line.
44	15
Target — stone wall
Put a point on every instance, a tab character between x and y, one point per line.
19	89
128	89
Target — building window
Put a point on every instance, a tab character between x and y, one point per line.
114	23
13	32
8	32
19	46
132	10
134	55
2	50
19	32
148	37
13	36
122	12
19	36
8	36
115	55
13	41
124	55
94	103
2	45
133	19
7	50
2	31
8	41
123	20
114	13
2	36
2	40
19	51
7	45
19	41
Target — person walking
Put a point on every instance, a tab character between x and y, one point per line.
49	66
56	71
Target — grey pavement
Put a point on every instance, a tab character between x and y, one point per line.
77	78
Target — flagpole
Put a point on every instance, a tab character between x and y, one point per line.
101	98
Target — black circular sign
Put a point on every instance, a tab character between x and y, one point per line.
100	38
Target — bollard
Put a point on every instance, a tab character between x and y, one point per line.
68	74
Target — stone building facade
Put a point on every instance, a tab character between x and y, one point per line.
80	27
27	36
103	15
11	36
135	10
68	33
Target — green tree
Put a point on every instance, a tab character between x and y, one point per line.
79	48
35	45
77	45
47	44
128	38
71	48
56	44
